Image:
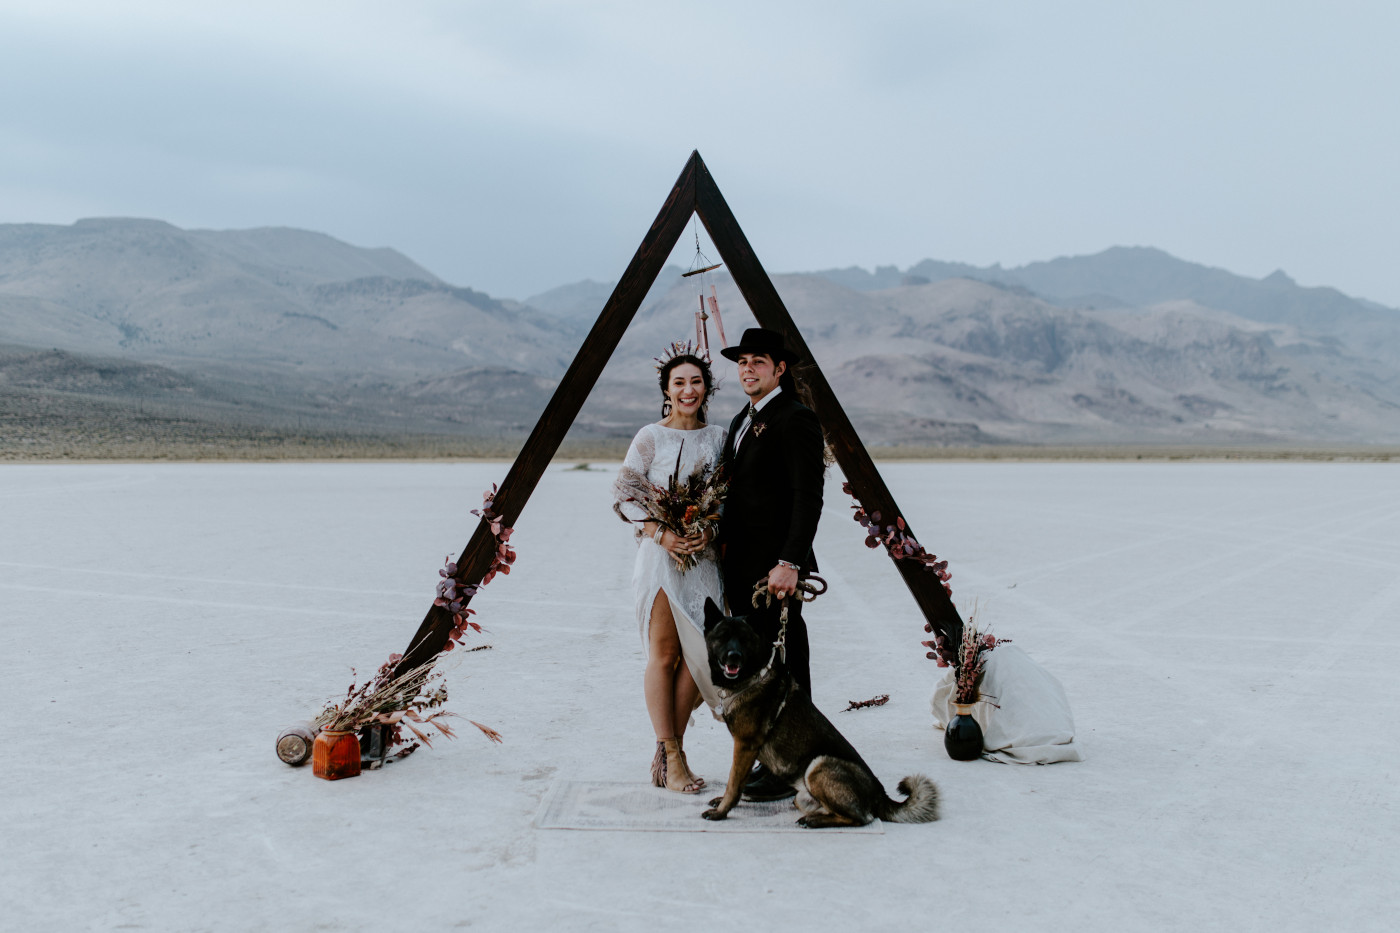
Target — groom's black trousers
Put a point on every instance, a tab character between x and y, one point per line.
799	653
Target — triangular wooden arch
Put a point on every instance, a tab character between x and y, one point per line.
695	192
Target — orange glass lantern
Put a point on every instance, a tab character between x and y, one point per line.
335	755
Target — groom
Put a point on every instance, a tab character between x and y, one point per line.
773	458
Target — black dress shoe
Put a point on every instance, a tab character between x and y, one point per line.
765	785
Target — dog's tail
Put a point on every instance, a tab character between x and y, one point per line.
920	804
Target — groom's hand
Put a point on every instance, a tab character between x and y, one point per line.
782	581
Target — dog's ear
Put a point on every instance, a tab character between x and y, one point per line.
713	614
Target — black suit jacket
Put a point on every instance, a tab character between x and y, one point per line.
775	493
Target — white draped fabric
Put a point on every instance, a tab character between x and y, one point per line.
654	453
1032	724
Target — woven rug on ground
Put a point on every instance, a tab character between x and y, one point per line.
618	805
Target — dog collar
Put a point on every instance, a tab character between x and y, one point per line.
726	698
759	680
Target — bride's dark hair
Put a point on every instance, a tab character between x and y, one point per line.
665	371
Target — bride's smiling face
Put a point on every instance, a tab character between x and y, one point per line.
686	389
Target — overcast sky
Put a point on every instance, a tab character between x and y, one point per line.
512	147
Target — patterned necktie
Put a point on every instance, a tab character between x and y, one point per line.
745	430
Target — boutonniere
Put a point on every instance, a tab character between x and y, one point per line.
758	428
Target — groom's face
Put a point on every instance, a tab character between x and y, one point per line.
759	375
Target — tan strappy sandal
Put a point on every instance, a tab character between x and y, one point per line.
658	765
675	776
695	779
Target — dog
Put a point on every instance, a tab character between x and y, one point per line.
772	720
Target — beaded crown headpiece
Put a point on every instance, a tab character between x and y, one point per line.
680	348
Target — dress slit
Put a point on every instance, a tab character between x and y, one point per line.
693	651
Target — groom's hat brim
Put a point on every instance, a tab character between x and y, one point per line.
758	340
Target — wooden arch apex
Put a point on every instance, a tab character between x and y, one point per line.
695	192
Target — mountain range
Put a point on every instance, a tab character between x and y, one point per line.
296	329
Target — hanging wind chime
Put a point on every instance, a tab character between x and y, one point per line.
699	266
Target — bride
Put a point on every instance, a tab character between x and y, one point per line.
670	602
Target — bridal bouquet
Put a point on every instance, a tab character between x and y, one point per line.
685	507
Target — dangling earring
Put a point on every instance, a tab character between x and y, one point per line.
665	405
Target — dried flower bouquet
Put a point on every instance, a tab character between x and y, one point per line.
407	701
685	507
969	660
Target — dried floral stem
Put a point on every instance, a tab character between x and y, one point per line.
880	700
413	696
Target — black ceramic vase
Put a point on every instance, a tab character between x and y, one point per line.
963	737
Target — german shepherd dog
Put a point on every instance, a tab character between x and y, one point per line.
772	720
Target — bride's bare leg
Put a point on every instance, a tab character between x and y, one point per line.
663	657
687	698
664	665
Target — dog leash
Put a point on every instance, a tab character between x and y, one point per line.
806	592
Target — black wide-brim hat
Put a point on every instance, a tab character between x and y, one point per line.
759	340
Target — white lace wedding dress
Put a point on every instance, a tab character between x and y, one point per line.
654	453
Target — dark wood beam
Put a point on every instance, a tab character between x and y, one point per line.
768	309
694	192
543	442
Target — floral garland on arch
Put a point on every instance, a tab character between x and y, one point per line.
408	703
452	595
897	541
969	659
